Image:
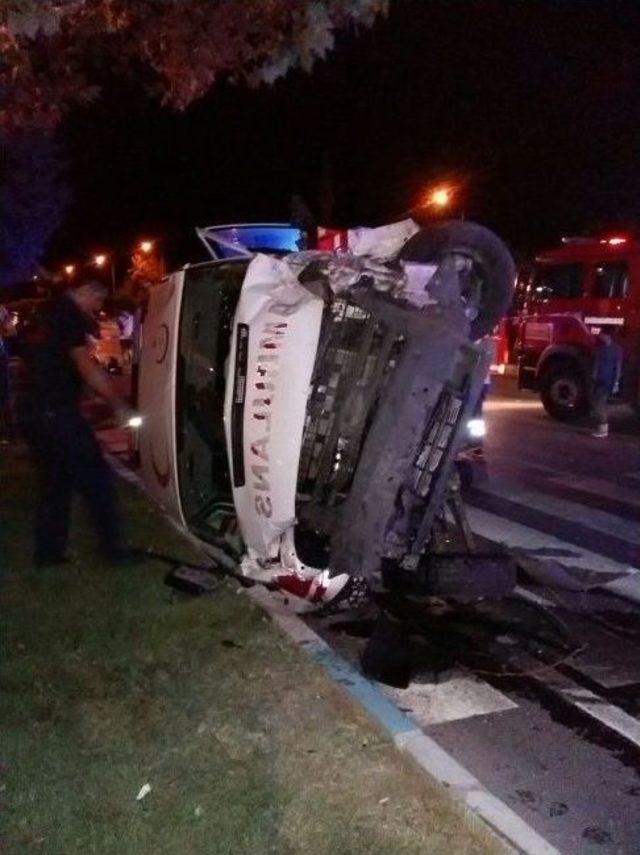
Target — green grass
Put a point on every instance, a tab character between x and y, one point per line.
109	682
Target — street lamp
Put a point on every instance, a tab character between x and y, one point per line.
438	197
148	259
441	197
100	260
69	269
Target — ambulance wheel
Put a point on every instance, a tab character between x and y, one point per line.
489	275
564	392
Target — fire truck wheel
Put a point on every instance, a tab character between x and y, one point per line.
564	392
489	274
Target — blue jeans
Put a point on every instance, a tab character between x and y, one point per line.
68	460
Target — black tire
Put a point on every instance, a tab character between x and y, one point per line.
564	392
491	259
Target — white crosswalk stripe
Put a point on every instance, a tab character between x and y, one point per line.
599	487
453	699
563	508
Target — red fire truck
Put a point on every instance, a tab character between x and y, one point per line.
567	296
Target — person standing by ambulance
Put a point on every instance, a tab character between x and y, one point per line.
64	449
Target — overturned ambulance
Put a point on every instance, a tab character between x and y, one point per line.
303	409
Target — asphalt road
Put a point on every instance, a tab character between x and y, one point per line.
522	437
558	485
568	760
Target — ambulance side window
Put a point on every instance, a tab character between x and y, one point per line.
558	281
209	301
611	280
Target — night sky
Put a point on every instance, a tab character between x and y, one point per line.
534	106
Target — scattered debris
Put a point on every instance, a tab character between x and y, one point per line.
194	580
145	789
228	642
597	835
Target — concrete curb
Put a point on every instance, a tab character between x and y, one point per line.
438	763
511	830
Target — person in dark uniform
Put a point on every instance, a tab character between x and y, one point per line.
65	451
606	380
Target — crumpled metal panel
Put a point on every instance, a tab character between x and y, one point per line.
412	389
385	507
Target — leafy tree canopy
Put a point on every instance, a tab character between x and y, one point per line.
52	51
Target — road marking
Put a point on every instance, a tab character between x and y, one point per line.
465	787
598	487
611	716
562	508
584	699
517	536
587	484
457	698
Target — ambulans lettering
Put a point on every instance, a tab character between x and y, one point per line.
260	473
270	342
263	506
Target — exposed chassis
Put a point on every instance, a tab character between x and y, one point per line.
386	461
394	380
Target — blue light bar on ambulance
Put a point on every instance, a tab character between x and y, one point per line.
234	241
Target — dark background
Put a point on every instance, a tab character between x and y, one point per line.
532	106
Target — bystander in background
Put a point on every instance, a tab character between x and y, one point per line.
65	451
606	380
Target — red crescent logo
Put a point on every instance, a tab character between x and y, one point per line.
162	477
162	343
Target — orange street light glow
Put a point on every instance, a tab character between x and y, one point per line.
100	260
69	269
440	197
146	246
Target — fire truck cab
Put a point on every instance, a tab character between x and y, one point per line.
570	294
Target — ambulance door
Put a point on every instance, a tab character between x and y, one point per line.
157	394
209	298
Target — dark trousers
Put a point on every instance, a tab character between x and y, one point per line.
599	400
68	460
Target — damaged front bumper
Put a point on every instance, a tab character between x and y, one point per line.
350	382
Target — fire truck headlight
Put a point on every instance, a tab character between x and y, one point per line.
477	428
